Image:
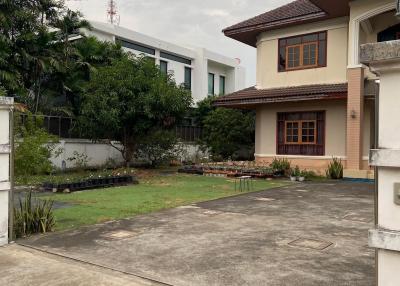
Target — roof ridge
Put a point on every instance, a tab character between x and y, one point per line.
273	11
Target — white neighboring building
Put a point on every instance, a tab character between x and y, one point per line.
203	71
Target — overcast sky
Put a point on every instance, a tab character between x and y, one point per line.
192	22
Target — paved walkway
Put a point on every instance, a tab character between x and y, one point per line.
22	266
305	234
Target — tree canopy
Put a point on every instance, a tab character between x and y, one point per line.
128	100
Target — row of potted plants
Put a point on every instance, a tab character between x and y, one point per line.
90	183
300	175
230	171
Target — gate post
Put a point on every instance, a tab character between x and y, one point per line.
6	104
384	60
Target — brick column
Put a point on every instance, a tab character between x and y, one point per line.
355	118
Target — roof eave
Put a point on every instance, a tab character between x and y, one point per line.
253	102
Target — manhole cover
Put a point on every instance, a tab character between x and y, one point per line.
264	199
311	243
357	218
121	234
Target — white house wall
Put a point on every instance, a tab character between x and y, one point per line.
203	60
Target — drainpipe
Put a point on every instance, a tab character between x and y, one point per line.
11	191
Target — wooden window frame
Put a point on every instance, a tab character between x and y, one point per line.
318	42
300	132
301	56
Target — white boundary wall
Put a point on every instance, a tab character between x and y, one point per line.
5	151
99	154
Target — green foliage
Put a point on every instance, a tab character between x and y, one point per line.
3	91
39	65
160	147
33	148
33	216
295	172
335	169
128	100
281	166
227	132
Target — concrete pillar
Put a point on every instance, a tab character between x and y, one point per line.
5	152
355	119
384	60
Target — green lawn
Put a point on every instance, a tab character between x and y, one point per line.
152	194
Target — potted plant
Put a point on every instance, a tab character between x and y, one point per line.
295	174
302	176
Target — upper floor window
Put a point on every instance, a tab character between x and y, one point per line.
164	67
188	78
136	46
302	52
221	85
211	84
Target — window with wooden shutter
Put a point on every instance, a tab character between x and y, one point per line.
301	133
302	52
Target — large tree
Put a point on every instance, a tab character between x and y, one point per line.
128	100
36	54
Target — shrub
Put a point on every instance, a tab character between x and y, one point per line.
229	133
33	216
33	148
335	169
281	166
159	147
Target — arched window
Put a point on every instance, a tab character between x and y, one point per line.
390	34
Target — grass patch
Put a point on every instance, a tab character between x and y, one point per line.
154	193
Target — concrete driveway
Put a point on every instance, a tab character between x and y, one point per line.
304	234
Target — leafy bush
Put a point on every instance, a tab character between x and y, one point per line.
281	166
159	147
335	169
229	133
33	216
33	148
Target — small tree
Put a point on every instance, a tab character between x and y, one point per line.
128	100
33	147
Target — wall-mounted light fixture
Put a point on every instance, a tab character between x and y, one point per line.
353	114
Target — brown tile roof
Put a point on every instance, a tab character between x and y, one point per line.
294	13
292	10
251	96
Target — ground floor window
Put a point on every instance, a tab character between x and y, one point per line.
301	133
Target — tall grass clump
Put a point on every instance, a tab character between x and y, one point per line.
33	216
335	169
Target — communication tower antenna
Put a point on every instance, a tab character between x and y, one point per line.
112	13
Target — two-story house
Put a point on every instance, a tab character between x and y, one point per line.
313	99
